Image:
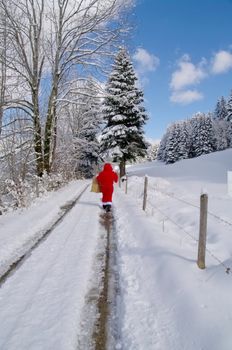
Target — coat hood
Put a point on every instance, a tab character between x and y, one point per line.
108	167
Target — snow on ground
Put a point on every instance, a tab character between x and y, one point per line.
42	303
165	302
20	230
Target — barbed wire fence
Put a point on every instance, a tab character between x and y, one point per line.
142	193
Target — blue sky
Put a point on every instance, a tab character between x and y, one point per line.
182	51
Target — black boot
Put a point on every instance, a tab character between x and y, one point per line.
108	208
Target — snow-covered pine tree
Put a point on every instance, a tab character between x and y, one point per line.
184	140
203	137
161	154
220	128
192	125
222	123
124	114
152	151
174	147
229	108
229	120
170	145
220	112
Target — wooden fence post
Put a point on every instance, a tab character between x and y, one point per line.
145	193
202	231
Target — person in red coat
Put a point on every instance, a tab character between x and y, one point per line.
106	179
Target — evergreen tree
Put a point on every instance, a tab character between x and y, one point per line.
152	151
203	138
184	141
229	134
229	109
162	147
125	116
229	120
169	149
220	130
177	145
220	112
192	126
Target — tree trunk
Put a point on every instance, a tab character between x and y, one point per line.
3	71
38	146
54	140
1	117
122	168
47	140
49	128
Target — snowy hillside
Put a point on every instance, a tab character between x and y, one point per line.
164	301
169	303
210	168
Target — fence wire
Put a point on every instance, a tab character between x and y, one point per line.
192	205
227	268
171	195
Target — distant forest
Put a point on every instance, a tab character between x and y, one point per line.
201	134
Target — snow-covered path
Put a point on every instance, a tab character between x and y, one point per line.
42	303
162	300
20	230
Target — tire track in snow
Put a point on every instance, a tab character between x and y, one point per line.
101	298
42	304
106	333
100	331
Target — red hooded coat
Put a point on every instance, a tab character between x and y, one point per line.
106	179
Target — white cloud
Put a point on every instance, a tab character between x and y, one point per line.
222	62
146	62
187	73
185	97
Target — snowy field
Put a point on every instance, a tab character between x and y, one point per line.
165	301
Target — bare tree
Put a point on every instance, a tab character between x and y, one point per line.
3	48
24	21
80	36
79	126
16	155
48	40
